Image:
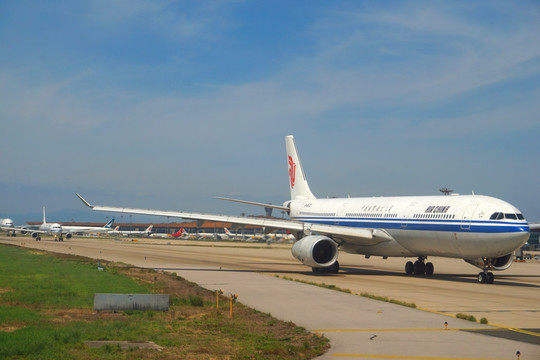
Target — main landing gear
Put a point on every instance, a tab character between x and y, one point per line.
419	267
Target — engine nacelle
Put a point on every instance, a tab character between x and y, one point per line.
68	236
316	251
500	263
35	235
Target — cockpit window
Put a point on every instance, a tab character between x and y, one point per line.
510	216
520	217
497	216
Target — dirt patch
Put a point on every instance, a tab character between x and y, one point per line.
124	345
87	315
9	328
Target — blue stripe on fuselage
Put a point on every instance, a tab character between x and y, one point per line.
423	225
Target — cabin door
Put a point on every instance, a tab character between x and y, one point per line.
467	216
407	215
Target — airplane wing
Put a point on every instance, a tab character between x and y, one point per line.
340	234
534	226
23	230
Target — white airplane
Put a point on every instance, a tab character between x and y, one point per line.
117	232
46	228
73	229
482	230
7	226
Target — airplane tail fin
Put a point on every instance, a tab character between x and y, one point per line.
149	229
109	224
179	233
297	180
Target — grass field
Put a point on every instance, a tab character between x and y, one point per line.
46	312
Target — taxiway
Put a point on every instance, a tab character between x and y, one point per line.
511	304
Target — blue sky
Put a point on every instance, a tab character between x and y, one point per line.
165	104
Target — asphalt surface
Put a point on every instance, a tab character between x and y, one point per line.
358	327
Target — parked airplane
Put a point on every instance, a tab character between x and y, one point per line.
73	229
7	226
135	233
482	230
180	233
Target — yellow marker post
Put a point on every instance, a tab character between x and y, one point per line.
233	298
218	293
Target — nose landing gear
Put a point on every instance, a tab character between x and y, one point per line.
486	276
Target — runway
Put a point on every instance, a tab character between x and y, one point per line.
358	327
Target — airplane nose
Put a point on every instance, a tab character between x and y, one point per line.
522	235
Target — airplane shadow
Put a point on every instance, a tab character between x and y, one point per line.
502	280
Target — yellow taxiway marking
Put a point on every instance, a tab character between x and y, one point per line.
399	330
491	324
369	356
495	328
502	327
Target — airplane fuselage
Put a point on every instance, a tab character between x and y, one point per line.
53	229
459	226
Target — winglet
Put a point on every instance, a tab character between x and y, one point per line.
84	201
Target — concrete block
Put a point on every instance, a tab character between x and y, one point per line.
122	302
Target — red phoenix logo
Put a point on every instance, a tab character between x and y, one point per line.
292	171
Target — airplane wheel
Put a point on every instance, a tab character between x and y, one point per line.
482	278
429	268
409	268
490	278
334	269
419	268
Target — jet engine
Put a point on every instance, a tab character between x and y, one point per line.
500	263
316	251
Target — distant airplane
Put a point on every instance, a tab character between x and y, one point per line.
446	191
238	236
46	228
180	233
73	229
206	235
117	232
482	230
7	226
